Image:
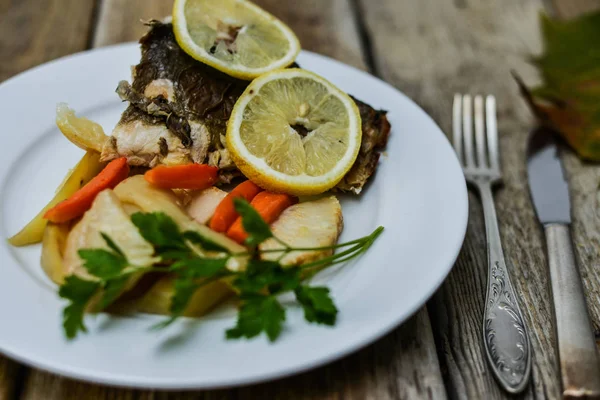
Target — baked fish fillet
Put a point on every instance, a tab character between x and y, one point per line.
178	111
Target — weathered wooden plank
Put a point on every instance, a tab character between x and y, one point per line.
572	8
117	21
10	376
33	32
431	49
379	372
583	179
402	365
326	27
45	386
120	20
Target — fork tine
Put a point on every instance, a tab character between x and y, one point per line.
492	132
479	132
468	131
457	127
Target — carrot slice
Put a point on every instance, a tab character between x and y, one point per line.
269	206
189	176
81	201
225	214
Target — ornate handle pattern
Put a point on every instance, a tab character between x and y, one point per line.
505	336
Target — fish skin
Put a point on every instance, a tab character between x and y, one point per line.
179	108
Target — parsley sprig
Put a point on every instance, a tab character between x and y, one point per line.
197	261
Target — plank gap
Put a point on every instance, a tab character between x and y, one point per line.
549	8
94	19
567	9
20	379
364	37
435	314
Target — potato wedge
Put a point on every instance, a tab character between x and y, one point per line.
137	191
316	223
204	203
106	216
157	300
53	246
84	171
80	131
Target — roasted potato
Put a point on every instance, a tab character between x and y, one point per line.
80	131
53	246
157	300
137	191
84	171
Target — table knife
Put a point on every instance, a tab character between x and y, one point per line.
579	362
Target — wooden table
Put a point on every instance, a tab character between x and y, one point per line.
429	49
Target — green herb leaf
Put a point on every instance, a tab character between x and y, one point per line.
192	274
270	275
318	305
258	284
113	246
102	263
79	292
200	267
184	290
258	314
257	229
112	290
203	242
160	230
175	255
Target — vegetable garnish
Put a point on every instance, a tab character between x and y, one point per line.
86	169
81	201
258	286
225	214
189	176
268	206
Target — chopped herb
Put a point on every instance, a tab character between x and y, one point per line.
258	285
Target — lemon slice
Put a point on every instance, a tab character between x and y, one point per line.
234	36
292	131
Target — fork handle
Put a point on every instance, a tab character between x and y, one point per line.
505	336
580	367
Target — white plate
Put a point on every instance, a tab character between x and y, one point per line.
418	194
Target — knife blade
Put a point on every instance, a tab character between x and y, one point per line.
547	181
579	361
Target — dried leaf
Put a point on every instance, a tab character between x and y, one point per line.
569	99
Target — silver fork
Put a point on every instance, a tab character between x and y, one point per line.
505	336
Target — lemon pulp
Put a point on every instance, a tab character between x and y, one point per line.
293	131
234	36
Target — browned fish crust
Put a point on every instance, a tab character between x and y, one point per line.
200	95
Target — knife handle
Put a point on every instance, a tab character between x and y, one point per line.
579	362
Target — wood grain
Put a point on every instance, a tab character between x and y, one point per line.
45	31
326	27
402	365
470	46
379	372
572	8
121	20
583	182
10	374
